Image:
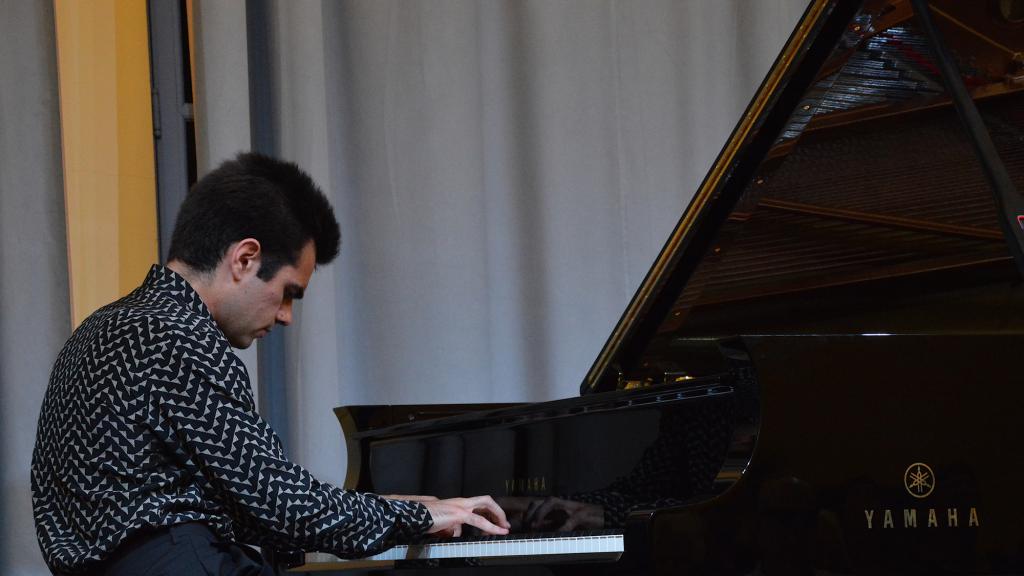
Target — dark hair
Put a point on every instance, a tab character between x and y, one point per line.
254	196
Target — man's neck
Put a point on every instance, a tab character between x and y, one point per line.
201	282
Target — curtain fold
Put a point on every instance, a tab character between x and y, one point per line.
35	317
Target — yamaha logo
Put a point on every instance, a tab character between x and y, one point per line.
919	480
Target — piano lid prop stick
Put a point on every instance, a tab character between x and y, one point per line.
1008	199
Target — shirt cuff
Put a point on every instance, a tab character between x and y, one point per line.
413	519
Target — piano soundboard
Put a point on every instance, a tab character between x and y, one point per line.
590	546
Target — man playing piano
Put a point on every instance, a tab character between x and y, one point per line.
150	457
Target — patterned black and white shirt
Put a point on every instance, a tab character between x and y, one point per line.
149	420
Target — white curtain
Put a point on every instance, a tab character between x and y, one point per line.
504	173
35	317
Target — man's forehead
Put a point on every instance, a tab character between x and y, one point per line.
307	257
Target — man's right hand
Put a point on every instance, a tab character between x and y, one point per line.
480	512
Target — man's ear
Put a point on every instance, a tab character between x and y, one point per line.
244	258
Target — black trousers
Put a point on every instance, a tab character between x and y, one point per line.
185	549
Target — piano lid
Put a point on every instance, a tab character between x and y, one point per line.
848	199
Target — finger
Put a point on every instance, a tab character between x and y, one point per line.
515	525
457	531
569	525
487	506
544	509
493	512
484	525
529	519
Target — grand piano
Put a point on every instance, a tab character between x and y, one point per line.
818	373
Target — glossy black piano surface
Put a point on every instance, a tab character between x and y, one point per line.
820	372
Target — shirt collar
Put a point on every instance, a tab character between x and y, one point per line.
172	284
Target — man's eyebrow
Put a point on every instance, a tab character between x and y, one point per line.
294	291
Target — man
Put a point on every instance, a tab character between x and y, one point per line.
150	457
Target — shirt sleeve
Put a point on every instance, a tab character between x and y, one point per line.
202	404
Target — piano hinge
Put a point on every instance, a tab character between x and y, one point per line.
634	384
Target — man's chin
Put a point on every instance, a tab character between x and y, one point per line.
241	343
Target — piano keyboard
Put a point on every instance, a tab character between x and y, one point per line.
483	551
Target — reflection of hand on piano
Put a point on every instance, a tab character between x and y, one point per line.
551	514
481	512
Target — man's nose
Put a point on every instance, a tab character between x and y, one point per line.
284	314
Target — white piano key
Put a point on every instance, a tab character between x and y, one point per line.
604	547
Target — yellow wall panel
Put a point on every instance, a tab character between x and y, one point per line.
107	128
